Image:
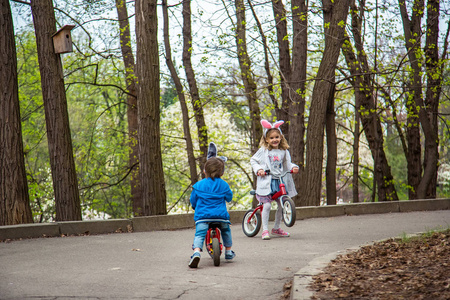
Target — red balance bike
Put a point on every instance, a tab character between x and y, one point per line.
213	243
251	224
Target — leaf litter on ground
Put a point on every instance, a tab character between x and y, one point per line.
408	268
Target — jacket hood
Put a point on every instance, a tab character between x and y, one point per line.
215	188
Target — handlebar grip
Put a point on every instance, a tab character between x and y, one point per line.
266	172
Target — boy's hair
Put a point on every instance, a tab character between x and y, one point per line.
214	167
283	143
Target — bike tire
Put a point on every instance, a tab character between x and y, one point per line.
289	212
251	228
216	251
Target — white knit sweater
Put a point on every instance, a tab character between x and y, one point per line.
260	160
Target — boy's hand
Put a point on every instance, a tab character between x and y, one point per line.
295	170
261	172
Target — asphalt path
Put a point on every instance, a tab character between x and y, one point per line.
154	265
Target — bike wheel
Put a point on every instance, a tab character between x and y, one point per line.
289	213
251	226
216	251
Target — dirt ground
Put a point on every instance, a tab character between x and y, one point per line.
408	268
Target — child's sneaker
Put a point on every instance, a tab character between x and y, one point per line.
229	256
195	259
280	232
265	235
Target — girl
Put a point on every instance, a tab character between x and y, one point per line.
274	156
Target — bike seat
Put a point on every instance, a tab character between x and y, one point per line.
215	225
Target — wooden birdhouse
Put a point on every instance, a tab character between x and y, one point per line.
62	39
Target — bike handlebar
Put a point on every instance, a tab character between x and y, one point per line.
267	172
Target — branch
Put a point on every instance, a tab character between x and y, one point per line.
21	2
99	84
108	185
243	170
179	199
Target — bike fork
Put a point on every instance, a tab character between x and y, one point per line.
259	207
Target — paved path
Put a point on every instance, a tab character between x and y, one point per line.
153	265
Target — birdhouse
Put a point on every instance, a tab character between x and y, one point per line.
62	40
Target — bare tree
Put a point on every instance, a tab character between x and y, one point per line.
420	111
148	92
434	88
330	129
132	114
298	90
330	126
356	135
322	88
365	107
65	183
270	83
14	198
247	76
293	78
284	60
181	97
193	89
414	154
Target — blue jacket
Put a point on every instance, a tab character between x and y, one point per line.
208	199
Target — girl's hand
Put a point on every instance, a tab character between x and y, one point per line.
261	172
295	170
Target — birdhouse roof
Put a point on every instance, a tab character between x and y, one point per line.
64	28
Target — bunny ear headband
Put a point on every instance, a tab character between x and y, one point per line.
267	125
212	152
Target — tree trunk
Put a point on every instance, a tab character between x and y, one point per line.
181	98
413	95
298	91
132	114
414	158
371	123
356	135
270	84
418	110
330	170
14	198
247	77
433	92
148	92
249	84
322	87
279	13
383	185
193	89
65	183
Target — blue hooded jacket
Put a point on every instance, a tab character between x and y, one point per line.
208	199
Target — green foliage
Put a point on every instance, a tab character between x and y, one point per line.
397	161
168	93
99	136
37	161
230	143
95	84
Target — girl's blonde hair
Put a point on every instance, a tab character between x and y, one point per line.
214	167
283	143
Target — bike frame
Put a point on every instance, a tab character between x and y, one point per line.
210	234
282	192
